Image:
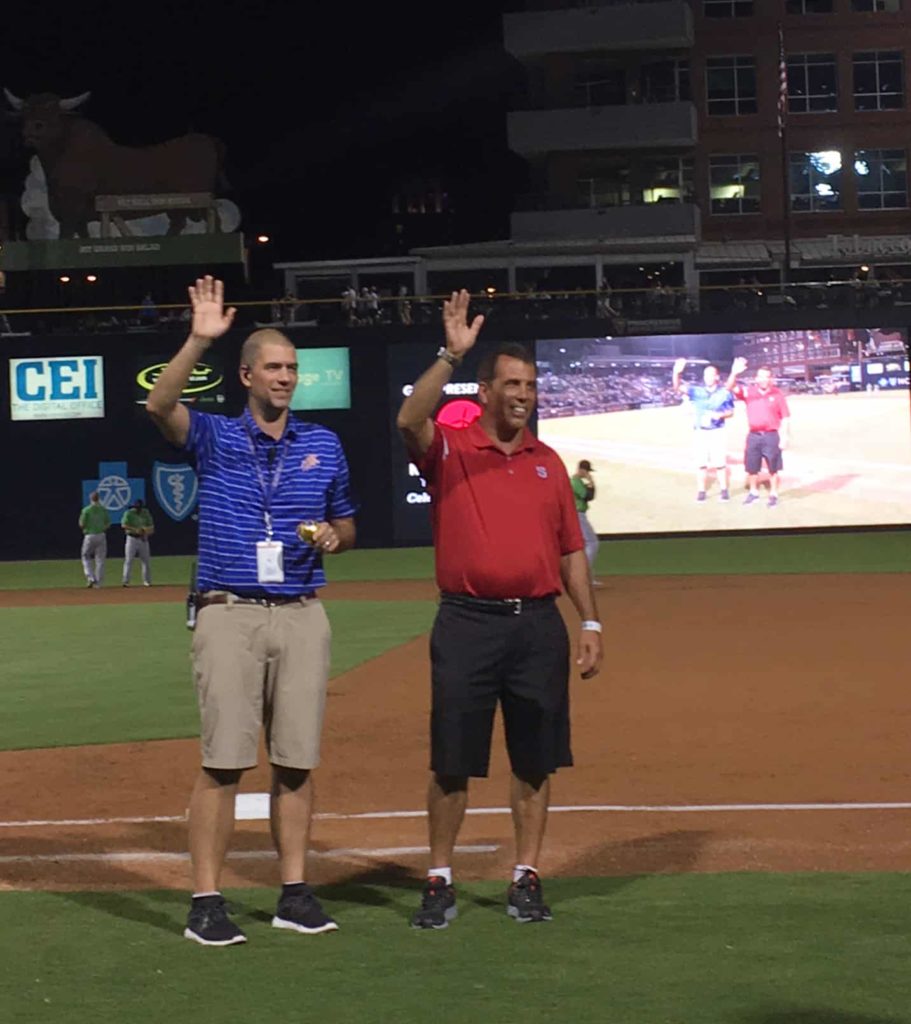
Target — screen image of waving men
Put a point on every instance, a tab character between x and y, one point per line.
813	429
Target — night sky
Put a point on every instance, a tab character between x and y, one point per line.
326	110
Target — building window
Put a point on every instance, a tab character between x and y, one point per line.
881	176
666	180
815	180
730	85
876	5
727	8
734	184
878	80
600	86
609	187
809	6
812	83
665	81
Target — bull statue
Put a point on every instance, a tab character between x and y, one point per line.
80	161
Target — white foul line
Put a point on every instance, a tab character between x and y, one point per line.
569	809
153	855
61	822
639	809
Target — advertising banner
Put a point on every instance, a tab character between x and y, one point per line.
323	379
56	388
205	389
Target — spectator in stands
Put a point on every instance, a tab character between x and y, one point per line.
373	304
603	307
403	306
289	308
363	305
349	305
148	311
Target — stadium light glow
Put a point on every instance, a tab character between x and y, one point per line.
64	279
91	278
262	239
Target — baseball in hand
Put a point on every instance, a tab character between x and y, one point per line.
307	531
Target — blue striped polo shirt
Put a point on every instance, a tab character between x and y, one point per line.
312	484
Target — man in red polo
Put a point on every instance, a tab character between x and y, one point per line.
507	542
769	422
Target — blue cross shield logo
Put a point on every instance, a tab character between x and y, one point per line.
116	488
176	488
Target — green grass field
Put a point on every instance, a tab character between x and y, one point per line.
686	949
872	551
115	673
849	464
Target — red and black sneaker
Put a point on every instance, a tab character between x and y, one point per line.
525	900
438	905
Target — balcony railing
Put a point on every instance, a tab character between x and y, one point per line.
645	126
662	25
621	309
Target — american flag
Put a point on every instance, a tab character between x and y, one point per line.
782	83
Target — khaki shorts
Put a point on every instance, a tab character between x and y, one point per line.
255	666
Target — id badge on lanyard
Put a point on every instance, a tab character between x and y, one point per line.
270	565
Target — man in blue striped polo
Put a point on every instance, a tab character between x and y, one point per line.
261	646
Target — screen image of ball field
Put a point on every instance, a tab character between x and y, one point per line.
684	431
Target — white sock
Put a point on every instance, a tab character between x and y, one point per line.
520	870
444	873
199	895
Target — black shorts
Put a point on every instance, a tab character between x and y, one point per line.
763	445
480	658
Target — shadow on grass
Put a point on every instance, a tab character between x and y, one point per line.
393	886
162	909
781	1015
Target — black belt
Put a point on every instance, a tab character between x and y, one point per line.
497	605
222	597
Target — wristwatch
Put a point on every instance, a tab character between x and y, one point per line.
447	356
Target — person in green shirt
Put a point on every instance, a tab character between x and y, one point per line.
93	521
583	493
138	526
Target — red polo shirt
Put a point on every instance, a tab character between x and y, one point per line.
765	410
500	522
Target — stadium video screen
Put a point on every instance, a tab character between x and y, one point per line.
847	460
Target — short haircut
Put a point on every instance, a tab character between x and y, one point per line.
487	368
257	339
93	496
759	369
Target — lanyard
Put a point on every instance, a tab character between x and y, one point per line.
267	490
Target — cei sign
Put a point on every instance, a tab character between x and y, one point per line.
57	388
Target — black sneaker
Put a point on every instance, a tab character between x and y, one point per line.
525	901
438	905
208	923
301	911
